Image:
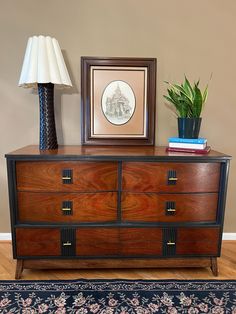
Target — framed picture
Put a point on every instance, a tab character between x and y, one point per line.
118	101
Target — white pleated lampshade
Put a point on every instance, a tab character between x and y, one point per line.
43	63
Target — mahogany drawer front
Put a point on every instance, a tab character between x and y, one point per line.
97	241
170	177
118	241
197	241
38	242
67	207
141	241
152	207
65	176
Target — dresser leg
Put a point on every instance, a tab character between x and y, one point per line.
214	267
19	268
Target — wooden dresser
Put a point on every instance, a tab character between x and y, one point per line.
91	207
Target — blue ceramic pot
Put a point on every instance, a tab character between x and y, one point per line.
189	127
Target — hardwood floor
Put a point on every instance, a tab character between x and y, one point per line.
227	269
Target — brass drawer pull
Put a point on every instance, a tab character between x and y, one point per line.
66	178
170	243
171	209
67	243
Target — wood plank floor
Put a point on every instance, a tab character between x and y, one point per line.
227	269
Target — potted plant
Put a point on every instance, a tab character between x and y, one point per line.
187	101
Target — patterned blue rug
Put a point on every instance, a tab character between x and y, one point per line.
118	296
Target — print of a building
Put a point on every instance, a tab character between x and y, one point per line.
118	106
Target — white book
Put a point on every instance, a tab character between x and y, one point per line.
188	145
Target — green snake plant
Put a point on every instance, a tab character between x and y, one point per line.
187	99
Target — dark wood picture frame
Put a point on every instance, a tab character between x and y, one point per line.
141	72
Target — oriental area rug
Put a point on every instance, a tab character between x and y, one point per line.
118	296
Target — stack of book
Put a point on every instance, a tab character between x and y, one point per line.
188	145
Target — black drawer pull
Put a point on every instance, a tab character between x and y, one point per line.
169	241
67	176
172	177
66	208
68	239
170	208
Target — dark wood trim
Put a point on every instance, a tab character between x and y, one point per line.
116	263
86	64
11	173
224	174
112	263
112	153
117	225
119	192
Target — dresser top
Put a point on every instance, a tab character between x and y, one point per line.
111	152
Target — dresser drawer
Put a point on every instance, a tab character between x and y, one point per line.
152	207
198	241
97	241
62	176
141	241
170	177
67	207
38	242
118	241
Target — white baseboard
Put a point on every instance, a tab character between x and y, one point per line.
5	236
229	236
226	236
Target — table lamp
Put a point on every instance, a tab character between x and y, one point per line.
43	67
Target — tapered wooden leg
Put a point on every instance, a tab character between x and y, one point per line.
19	268
214	266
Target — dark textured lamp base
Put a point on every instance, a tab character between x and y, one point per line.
48	136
